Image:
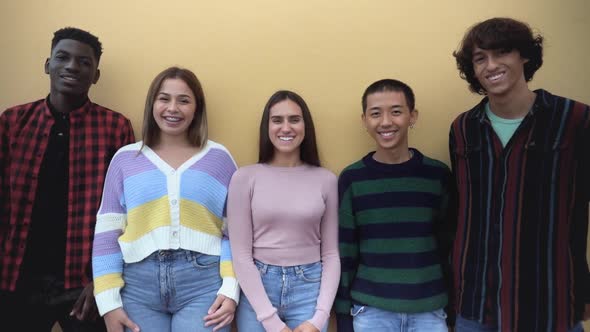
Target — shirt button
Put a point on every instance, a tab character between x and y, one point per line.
175	233
174	202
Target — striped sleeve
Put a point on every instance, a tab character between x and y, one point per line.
107	259
349	252
229	286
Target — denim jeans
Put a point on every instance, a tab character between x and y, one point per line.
371	319
293	290
171	290
468	325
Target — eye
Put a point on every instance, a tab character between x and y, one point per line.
295	120
375	114
185	101
60	57
478	59
396	112
163	98
276	120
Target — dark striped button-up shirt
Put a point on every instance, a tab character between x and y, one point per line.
519	258
96	133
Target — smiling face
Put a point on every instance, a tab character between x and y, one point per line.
286	128
72	68
174	108
499	71
387	119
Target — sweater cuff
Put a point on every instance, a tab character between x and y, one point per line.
273	323
230	288
319	319
108	300
344	323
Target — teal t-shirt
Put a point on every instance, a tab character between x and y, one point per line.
504	128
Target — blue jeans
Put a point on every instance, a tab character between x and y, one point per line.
293	290
171	290
372	319
469	325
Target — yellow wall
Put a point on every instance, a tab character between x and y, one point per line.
328	51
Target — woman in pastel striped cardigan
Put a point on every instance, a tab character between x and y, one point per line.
161	258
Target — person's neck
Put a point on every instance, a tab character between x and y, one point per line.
396	156
173	142
66	103
290	160
513	105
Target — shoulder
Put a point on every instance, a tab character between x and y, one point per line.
324	174
249	171
18	111
246	175
107	113
559	103
127	152
359	164
435	163
215	153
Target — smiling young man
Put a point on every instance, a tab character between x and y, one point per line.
54	154
520	160
394	232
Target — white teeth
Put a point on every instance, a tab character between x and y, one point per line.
285	138
67	78
495	77
387	134
172	119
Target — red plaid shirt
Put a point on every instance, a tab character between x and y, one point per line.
96	133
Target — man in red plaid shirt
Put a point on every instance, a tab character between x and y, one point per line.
54	155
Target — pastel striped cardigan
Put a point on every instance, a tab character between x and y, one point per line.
148	206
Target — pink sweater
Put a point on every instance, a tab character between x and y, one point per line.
284	216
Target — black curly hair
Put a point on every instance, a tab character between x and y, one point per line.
79	35
499	33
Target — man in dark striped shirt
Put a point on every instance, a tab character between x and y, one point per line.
394	233
54	153
521	162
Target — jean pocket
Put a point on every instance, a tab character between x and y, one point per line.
357	310
203	261
311	272
440	313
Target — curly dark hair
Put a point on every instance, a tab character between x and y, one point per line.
499	33
78	35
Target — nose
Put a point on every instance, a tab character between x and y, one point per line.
492	62
285	127
386	120
172	106
72	65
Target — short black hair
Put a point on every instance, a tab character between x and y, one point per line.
79	35
309	150
499	33
389	85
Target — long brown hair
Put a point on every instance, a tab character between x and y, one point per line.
308	152
197	131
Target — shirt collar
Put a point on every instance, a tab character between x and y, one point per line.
542	101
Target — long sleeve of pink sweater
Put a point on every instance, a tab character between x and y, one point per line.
284	216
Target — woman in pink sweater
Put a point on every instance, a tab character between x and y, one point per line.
283	225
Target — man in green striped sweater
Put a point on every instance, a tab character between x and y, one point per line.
394	232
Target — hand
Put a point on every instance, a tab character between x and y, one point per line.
116	321
85	306
221	312
286	329
586	312
306	327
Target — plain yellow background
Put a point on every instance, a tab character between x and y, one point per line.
328	51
